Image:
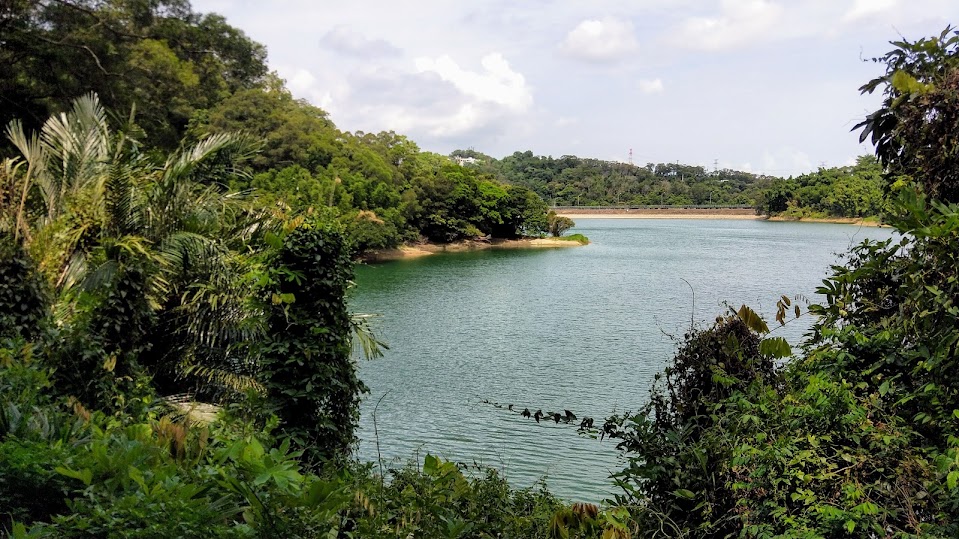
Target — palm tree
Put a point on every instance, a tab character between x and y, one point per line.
91	206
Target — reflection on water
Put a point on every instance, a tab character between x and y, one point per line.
584	329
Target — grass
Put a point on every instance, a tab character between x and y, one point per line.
579	238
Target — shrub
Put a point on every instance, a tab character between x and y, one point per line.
309	373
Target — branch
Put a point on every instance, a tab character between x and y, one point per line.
88	49
100	22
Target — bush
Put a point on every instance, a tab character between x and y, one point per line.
309	374
30	489
367	232
558	224
678	447
24	301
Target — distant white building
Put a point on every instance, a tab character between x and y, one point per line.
463	161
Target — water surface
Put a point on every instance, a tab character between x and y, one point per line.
584	329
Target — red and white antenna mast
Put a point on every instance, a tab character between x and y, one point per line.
630	156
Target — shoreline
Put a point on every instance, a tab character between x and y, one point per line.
718	214
859	221
672	213
408	252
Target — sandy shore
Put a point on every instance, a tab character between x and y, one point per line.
407	252
695	213
672	213
836	220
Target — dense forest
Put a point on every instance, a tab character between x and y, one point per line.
855	191
575	181
200	250
850	191
170	76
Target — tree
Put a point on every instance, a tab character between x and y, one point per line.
293	132
914	128
144	257
558	224
158	56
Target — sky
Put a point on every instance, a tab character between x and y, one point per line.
768	86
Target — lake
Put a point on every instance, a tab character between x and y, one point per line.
580	328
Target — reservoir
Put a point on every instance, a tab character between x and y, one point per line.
583	329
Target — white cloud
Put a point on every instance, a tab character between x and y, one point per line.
350	42
497	83
862	9
786	161
654	86
302	83
300	80
600	40
467	118
740	22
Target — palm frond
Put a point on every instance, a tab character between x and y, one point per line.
238	383
77	144
34	155
364	340
234	147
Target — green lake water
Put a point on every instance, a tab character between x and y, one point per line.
581	328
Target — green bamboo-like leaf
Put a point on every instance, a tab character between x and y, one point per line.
775	347
752	320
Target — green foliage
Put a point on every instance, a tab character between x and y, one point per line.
915	127
160	57
558	224
148	475
30	489
855	191
578	238
292	132
309	374
439	500
367	231
571	180
678	462
24	300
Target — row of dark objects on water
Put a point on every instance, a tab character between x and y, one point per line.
586	425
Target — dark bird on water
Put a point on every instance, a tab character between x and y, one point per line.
538	415
587	423
570	416
510	407
556	417
526	413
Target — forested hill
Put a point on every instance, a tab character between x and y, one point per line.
171	76
571	180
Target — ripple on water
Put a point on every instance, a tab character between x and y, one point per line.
584	329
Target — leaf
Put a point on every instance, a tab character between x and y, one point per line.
905	83
884	388
952	479
430	465
273	240
85	475
850	526
685	493
752	320
775	347
110	363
